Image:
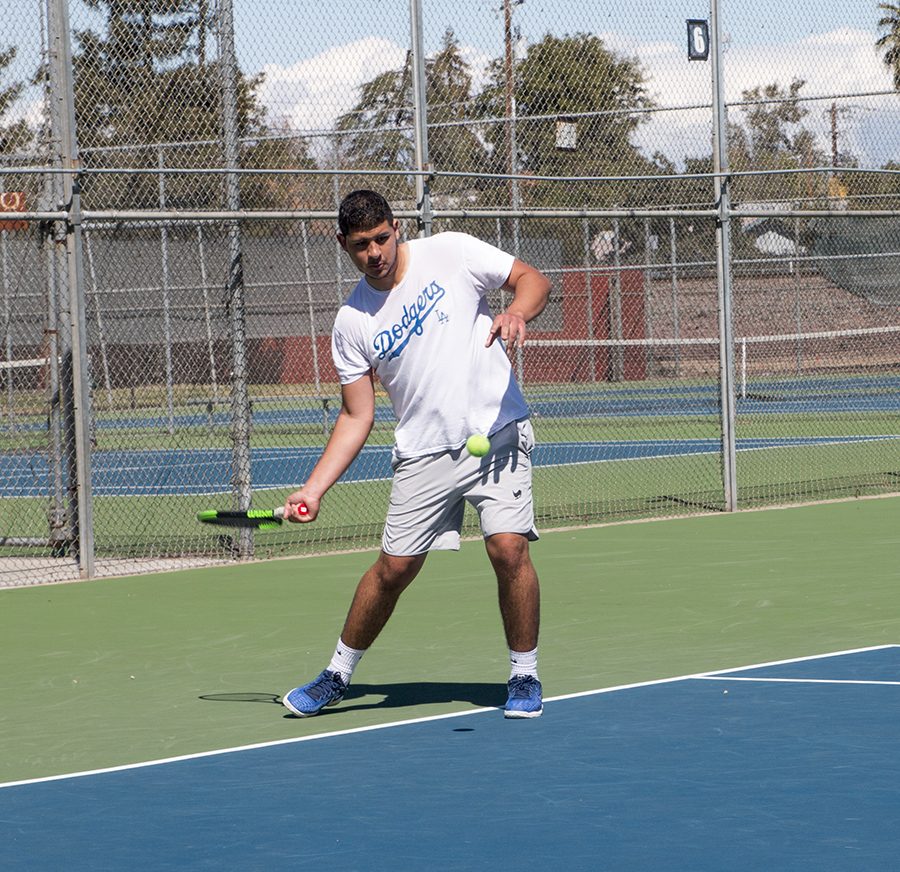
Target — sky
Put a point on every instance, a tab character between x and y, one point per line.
314	63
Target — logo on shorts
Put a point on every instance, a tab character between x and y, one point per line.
517	494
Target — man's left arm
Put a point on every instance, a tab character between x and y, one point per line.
530	289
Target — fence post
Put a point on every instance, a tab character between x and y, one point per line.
723	266
234	290
75	378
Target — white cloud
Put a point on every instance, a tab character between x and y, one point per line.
842	61
478	62
311	94
30	107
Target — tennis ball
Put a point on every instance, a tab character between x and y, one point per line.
478	445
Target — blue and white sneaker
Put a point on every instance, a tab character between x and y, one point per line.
327	689
525	700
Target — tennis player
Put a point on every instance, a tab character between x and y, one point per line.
419	320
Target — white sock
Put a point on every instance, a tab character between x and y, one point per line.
523	663
344	660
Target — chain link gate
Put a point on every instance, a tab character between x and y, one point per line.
723	330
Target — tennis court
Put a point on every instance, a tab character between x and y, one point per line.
722	692
204	471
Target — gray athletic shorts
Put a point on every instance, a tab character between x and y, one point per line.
429	494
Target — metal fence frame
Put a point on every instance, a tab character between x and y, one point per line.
68	223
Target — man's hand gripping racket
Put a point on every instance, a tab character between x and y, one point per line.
258	519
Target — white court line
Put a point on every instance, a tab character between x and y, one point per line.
297	739
793	680
798	660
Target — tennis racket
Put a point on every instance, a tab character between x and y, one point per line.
259	519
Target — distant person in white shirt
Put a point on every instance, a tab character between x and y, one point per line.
419	320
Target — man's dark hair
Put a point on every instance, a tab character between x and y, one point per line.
363	210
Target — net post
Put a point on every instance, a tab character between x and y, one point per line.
589	301
311	307
616	330
743	369
649	263
166	298
673	262
7	295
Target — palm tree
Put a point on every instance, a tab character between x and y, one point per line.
890	41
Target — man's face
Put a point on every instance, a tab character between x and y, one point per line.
374	251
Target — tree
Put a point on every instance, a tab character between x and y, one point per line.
144	86
877	190
578	78
560	76
379	127
773	137
890	40
453	144
119	74
770	112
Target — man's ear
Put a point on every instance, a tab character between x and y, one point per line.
342	240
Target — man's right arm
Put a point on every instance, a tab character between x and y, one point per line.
352	428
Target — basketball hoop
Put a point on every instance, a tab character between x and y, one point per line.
12	201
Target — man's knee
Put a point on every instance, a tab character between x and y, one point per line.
508	551
395	573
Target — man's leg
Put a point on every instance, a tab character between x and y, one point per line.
376	595
373	603
520	606
517	588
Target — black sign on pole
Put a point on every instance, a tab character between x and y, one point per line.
698	39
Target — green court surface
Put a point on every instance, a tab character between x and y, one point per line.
118	671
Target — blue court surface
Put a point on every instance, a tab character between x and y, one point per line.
208	471
783	766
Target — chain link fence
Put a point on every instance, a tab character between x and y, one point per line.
723	237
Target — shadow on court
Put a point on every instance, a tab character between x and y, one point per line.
386	696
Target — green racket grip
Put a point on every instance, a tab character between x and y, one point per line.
260	519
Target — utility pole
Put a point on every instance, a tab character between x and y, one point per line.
834	135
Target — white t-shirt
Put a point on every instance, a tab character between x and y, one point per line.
425	341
